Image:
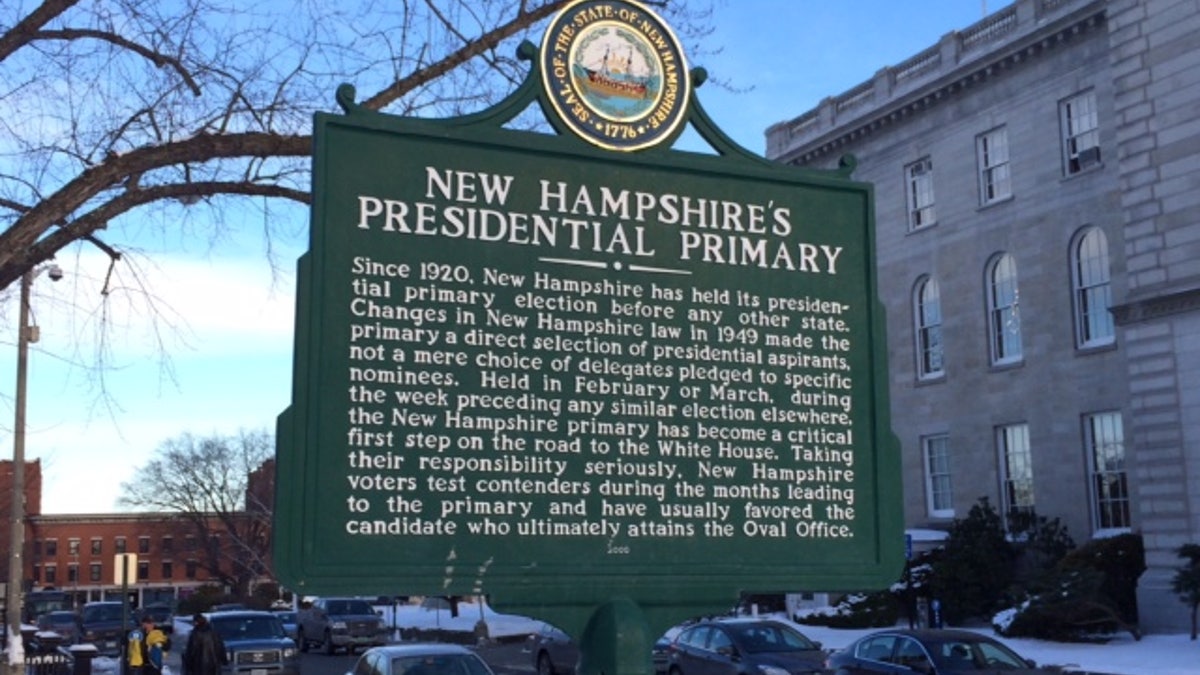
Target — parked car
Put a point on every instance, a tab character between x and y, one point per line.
288	618
64	623
741	646
339	623
940	651
551	651
228	607
256	643
102	626
162	615
420	659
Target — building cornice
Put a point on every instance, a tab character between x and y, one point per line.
1147	309
91	518
1026	30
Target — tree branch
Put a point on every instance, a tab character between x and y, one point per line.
18	244
22	33
468	51
160	60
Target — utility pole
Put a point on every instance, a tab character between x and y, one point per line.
16	562
26	334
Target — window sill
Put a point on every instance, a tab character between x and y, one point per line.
999	366
996	202
931	379
1096	348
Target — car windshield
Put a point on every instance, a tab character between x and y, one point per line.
247	627
349	607
441	664
768	637
57	618
96	613
968	655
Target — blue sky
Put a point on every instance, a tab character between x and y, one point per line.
228	335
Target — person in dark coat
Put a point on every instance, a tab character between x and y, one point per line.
205	653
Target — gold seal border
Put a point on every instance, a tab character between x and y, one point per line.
560	90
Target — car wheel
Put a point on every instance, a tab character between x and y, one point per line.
544	666
330	648
300	641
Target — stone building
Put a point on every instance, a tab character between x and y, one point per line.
1037	186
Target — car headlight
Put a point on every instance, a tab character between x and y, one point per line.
772	670
289	652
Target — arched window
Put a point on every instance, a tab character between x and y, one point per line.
1004	317
927	319
1092	289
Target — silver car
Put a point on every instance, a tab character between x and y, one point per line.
420	659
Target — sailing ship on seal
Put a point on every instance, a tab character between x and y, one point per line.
613	76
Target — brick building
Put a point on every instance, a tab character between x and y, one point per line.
77	553
1038	242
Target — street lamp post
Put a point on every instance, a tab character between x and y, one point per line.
26	334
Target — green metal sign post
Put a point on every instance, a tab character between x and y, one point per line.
608	386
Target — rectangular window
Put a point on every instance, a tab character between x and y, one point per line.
995	182
94	571
37	574
72	547
167	569
190	543
72	573
143	545
51	574
190	569
1081	132
1016	468
37	548
919	176
51	548
143	570
1105	438
168	545
938	488
97	546
119	545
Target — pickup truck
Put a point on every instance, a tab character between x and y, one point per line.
339	623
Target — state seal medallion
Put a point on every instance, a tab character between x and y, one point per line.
615	74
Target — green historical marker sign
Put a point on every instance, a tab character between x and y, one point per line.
585	381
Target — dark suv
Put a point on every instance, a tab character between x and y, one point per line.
256	643
101	625
340	623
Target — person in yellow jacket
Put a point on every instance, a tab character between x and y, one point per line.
147	648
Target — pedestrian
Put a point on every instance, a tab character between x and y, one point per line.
147	648
204	653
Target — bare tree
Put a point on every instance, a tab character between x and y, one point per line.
204	483
118	114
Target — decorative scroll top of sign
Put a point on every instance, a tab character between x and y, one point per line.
615	74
